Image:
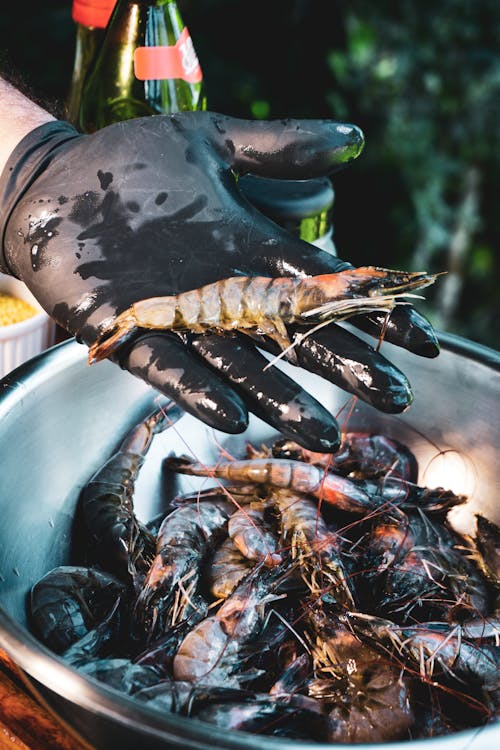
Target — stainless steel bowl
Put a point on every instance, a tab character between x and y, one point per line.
59	419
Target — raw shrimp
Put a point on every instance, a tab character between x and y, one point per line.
99	642
262	305
397	492
434	649
296	476
117	540
211	651
121	674
361	455
170	591
229	708
182	697
484	548
248	531
294	716
70	601
363	694
226	570
414	572
382	550
316	547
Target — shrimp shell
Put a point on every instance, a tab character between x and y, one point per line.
263	305
247	529
118	541
433	647
184	538
314	544
227	569
211	651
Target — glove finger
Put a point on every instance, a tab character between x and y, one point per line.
271	395
338	356
357	368
288	149
404	327
167	365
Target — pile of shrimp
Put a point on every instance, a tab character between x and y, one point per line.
319	597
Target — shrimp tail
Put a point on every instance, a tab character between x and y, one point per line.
179	464
113	336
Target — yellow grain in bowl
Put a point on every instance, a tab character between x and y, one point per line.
14	310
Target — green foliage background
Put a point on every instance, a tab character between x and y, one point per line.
421	79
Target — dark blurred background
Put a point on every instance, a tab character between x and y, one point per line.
421	79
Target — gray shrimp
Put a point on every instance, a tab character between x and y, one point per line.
415	571
211	652
170	591
314	544
294	716
228	708
70	601
118	541
248	531
227	568
363	694
434	649
121	674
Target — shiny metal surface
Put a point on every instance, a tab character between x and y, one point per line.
59	419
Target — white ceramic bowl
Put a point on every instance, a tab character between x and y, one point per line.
22	341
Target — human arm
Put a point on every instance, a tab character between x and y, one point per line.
18	116
151	207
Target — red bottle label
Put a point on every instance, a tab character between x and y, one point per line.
178	61
93	13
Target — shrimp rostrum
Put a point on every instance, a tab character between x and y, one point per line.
263	306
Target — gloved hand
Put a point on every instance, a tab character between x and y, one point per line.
149	207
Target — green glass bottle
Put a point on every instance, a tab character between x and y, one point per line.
91	18
146	65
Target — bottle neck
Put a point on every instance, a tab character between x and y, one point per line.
146	65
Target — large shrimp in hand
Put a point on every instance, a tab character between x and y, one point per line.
263	306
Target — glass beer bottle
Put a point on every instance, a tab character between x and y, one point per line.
91	18
146	65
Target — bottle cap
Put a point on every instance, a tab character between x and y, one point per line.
92	13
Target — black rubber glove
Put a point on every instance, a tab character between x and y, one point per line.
148	207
